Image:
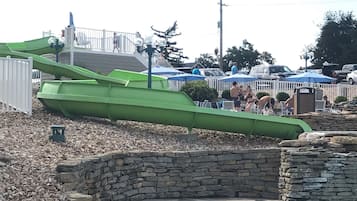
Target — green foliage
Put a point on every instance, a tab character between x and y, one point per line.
337	42
340	99
261	94
282	96
245	56
354	98
172	54
207	61
199	91
226	94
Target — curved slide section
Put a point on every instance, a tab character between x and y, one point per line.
76	98
40	46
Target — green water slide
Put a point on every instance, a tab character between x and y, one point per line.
34	48
112	97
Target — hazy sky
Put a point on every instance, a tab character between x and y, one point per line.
281	27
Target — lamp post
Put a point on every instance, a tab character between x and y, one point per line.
306	56
56	44
149	47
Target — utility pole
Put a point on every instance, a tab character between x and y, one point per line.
220	25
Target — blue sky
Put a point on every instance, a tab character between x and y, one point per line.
281	27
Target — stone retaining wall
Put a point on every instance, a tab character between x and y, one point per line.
319	166
138	176
330	122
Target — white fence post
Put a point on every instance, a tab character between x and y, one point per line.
16	85
103	40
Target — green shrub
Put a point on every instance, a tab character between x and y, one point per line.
199	91
340	99
354	98
226	94
261	94
282	96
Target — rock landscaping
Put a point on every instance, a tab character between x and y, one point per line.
28	158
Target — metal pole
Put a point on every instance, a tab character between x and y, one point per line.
149	50
306	58
57	46
305	64
221	35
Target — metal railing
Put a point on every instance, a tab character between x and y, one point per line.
106	41
36	76
100	40
273	87
16	85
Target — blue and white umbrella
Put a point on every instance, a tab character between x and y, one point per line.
238	78
186	77
159	70
310	77
71	22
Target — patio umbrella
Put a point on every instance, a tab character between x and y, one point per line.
71	22
238	78
186	77
310	77
159	70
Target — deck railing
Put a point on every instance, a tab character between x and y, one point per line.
100	40
16	85
105	41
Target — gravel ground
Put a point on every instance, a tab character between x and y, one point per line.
28	159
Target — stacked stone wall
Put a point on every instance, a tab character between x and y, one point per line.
139	176
325	121
319	167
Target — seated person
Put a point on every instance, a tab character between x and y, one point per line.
327	102
289	104
251	105
266	102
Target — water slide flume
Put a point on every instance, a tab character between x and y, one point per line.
112	97
77	98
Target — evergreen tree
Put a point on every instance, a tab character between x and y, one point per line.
171	53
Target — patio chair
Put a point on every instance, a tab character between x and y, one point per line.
228	105
283	109
82	40
206	103
320	106
197	103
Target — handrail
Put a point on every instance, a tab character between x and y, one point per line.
103	40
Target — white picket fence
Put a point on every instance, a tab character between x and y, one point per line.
273	87
16	85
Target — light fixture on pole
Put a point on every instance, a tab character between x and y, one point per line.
56	44
306	56
148	46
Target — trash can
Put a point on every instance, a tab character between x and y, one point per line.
304	100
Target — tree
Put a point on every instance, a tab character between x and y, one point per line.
207	60
266	57
172	54
246	56
337	42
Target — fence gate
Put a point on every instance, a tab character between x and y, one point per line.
16	85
